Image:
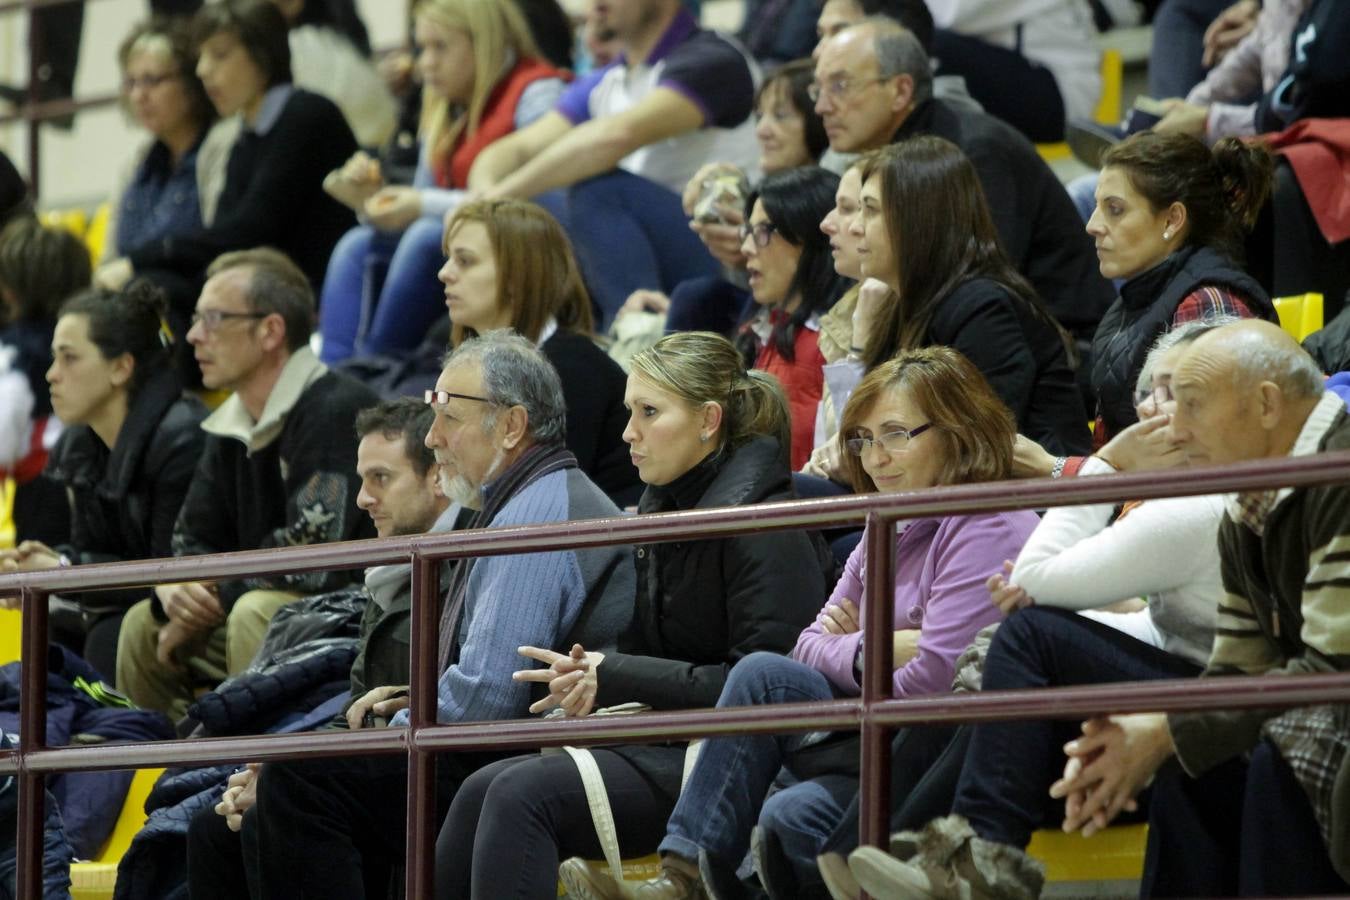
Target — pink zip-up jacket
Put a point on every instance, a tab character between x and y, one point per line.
940	570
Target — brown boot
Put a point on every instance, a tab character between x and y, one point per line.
679	880
951	863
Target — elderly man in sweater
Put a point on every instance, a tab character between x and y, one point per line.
331	828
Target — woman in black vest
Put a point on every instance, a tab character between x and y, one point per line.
128	452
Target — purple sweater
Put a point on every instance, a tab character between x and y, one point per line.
940	569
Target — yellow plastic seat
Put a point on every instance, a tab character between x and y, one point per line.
10	646
1300	315
94	880
97	233
7	488
76	221
1108	111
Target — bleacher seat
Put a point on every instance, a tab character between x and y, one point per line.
1300	315
94	880
1108	111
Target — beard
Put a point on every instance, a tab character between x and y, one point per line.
462	490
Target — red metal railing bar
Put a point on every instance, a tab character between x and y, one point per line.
1328	468
32	738
878	650
39	111
419	866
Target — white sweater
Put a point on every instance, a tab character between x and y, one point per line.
1165	551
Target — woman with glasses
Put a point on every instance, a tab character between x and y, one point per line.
924	229
174	179
924	419
272	194
129	449
704	433
792	281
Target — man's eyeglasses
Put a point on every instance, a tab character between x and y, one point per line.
838	86
763	233
149	82
440	398
891	441
210	319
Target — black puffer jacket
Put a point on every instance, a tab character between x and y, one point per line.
1145	309
124	501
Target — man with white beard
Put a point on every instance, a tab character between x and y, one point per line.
325	826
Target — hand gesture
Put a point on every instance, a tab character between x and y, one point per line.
354	183
241	792
1108	766
840	618
571	679
192	604
645	301
1143	447
1228	29
394	208
874	296
29	556
694	188
1030	459
171	636
723	241
1183	118
1006	595
381	701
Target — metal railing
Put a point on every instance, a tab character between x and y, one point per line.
874	713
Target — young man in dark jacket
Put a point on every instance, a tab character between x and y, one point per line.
276	471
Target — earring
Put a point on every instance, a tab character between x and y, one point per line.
1167	234
703	438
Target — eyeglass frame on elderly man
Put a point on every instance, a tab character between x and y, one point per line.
840	86
1161	394
857	445
435	398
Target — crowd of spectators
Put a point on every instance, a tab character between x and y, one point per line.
826	259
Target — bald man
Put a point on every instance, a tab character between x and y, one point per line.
1238	392
1245	392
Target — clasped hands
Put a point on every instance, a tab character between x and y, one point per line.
570	677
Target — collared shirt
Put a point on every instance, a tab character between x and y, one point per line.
273	102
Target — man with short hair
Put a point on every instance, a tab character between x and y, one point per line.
874	86
276	471
623	142
1245	391
325	825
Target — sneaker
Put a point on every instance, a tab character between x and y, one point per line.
1089	140
838	877
775	872
952	863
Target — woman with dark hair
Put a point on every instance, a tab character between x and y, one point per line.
704	432
1171	215
172	183
925	231
330	55
792	280
273	193
923	419
128	452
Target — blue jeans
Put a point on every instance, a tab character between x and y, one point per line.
381	295
1174	61
721	801
628	233
1004	785
707	304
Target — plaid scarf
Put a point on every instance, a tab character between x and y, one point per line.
534	463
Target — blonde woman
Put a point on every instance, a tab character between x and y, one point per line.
483	78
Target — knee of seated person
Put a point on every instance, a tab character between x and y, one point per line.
137	634
755	667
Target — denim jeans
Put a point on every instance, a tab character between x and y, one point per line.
628	233
1174	61
722	799
381	294
1004	785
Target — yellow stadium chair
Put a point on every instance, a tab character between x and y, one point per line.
1300	315
76	221
7	489
94	880
1108	111
97	234
10	646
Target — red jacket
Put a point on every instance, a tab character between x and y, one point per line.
802	380
1319	152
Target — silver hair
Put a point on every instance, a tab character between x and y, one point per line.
1257	358
899	52
1184	333
516	373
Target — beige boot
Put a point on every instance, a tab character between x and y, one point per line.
679	880
951	863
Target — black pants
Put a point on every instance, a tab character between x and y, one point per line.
1241	829
329	829
1287	253
222	864
1007	84
512	822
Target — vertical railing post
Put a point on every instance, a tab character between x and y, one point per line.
36	26
32	736
874	788
426	615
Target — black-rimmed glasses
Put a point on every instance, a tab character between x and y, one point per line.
440	398
891	441
211	319
763	233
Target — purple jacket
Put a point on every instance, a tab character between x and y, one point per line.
940	569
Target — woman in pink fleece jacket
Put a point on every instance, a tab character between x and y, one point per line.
923	419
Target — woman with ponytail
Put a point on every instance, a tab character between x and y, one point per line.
704	433
130	447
